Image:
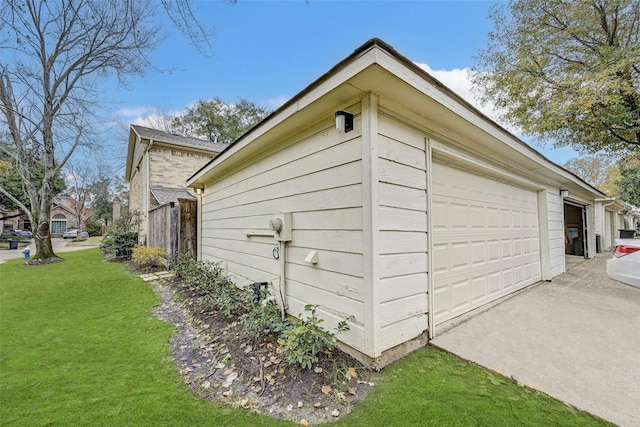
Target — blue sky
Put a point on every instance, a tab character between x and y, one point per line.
267	51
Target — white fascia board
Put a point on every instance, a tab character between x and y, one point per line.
454	103
307	97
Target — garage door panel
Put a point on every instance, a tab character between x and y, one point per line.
485	239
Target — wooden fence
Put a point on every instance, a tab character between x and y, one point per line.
173	228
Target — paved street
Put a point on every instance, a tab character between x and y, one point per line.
59	245
576	338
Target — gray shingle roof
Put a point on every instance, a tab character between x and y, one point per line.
178	140
166	195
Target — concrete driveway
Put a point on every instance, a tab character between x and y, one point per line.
576	338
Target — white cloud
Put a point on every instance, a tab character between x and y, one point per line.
458	80
133	112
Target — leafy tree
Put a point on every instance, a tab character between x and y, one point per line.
54	57
628	183
217	120
600	171
568	71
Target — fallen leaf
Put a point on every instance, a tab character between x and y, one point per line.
289	408
279	349
351	372
353	391
335	413
267	363
317	369
232	376
326	389
317	405
248	349
300	404
206	384
304	422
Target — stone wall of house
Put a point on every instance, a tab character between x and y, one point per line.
172	168
135	193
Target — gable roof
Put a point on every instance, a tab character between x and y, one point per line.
165	195
148	136
376	67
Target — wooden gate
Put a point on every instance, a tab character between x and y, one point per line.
173	228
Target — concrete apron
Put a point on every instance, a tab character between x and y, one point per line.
576	338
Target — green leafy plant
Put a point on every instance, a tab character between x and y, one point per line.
119	241
306	339
148	257
262	318
217	292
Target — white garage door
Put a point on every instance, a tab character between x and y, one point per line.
485	239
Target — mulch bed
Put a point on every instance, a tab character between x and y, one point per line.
219	365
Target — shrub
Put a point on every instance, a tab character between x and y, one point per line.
207	279
119	241
93	227
148	257
305	339
262	317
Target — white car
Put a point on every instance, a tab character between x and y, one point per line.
73	234
625	264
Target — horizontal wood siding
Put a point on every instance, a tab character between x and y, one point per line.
403	232
319	180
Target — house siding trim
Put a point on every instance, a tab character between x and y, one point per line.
371	238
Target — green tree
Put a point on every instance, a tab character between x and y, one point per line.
628	183
11	180
598	170
218	121
568	71
54	57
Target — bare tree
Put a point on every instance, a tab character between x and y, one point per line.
83	183
54	56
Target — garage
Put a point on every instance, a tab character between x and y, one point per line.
485	238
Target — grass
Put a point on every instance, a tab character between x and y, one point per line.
79	346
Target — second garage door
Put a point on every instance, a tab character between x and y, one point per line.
485	238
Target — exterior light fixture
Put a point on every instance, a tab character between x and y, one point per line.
564	193
344	121
199	191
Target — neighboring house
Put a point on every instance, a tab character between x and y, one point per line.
158	165
421	211
64	216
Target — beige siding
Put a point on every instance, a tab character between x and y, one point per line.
403	232
319	180
555	223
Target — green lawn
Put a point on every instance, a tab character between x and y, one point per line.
79	346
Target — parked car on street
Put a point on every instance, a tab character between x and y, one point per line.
625	264
22	233
73	234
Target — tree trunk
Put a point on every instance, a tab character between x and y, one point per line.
42	210
42	238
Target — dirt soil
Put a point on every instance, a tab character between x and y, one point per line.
220	366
